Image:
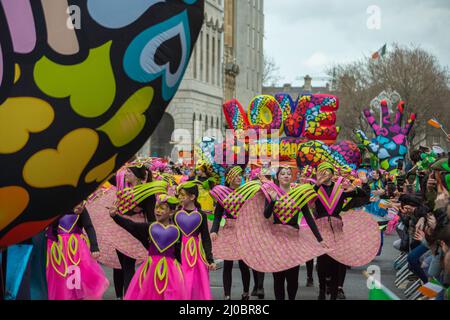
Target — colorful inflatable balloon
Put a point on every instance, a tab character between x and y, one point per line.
313	153
80	95
265	113
350	151
235	115
312	116
390	142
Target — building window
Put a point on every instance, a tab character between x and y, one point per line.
195	63
206	123
213	60
219	62
201	57
207	58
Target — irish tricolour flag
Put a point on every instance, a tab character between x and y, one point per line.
378	291
380	53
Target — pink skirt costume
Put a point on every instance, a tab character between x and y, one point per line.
227	245
72	273
193	257
110	236
269	247
160	277
355	238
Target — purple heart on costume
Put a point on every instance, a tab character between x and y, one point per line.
188	222
164	237
68	222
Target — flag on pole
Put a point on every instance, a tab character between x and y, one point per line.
431	289
436	124
382	294
378	291
380	53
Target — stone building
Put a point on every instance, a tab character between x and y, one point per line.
226	63
295	91
248	36
200	96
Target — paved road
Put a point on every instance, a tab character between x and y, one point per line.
355	284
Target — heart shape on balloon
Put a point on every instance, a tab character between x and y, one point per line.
188	222
163	237
76	104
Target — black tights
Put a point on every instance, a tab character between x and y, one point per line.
258	278
122	277
291	277
342	274
228	276
310	268
327	267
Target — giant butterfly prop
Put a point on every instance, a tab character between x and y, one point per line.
77	103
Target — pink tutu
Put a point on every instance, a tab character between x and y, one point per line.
72	273
159	278
195	270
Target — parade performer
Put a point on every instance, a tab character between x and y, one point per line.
225	242
160	277
196	250
205	176
270	235
72	270
119	249
353	236
284	179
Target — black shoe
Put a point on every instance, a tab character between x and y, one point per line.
245	297
254	293
260	293
341	294
310	283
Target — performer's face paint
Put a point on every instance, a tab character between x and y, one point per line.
163	212
285	176
328	175
236	183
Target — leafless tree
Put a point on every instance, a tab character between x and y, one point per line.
271	71
414	73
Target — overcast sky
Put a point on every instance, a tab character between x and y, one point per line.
307	36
